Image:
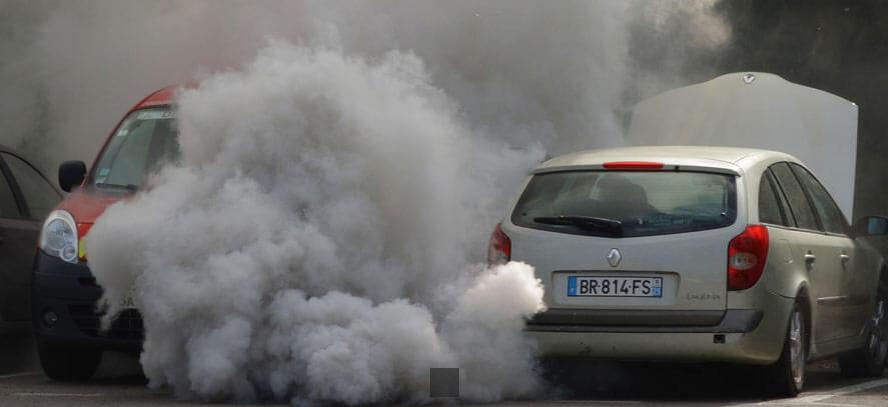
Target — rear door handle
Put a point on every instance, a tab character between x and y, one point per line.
810	257
844	257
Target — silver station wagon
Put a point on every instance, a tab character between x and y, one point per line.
698	254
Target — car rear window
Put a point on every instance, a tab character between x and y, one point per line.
627	204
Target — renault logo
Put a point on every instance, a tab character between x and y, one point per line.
614	257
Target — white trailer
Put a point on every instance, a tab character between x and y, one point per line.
758	110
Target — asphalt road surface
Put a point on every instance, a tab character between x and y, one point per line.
120	383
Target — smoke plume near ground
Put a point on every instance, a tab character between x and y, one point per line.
318	240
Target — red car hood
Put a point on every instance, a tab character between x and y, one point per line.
87	204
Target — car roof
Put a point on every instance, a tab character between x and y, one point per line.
729	159
163	96
9	150
159	97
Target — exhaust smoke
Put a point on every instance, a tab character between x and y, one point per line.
317	240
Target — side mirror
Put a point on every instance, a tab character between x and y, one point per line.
871	226
71	174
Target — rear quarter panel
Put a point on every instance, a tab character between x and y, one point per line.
787	275
784	275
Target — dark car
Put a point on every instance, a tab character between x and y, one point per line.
26	196
67	323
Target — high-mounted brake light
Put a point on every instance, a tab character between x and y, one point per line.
499	251
632	165
747	254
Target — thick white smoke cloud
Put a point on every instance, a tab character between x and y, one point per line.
550	71
70	70
558	72
527	71
317	240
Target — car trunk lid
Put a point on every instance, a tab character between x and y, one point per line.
678	240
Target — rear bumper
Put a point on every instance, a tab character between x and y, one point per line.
583	320
741	336
70	292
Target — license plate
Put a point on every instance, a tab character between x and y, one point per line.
581	286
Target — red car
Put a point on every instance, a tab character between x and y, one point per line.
64	292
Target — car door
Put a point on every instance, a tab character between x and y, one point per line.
819	252
853	293
33	197
10	259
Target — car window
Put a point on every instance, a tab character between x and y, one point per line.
8	207
798	201
627	203
145	141
770	208
830	216
40	196
781	197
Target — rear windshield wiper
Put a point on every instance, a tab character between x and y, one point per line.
611	227
128	187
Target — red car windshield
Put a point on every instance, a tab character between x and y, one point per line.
147	139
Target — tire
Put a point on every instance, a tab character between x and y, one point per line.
869	361
67	365
786	377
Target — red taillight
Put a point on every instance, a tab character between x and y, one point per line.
632	165
747	254
499	251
